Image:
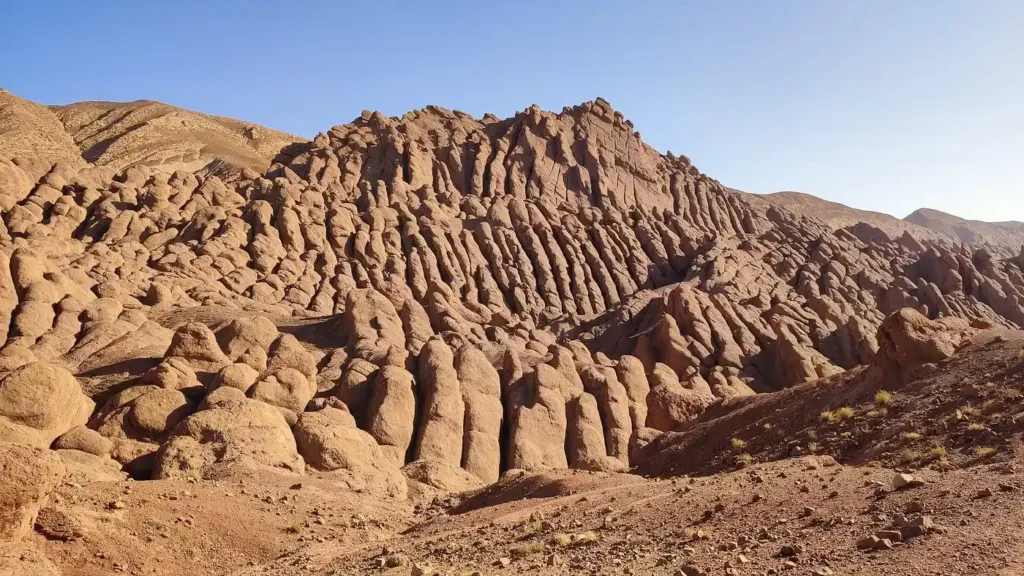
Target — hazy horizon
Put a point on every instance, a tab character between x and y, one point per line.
879	106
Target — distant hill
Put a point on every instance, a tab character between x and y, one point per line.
143	132
923	224
1001	233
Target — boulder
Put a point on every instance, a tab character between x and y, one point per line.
330	441
287	389
669	404
240	334
196	344
441	475
235	434
39	402
148	418
287	352
85	440
27	477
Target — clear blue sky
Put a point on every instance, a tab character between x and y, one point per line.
881	104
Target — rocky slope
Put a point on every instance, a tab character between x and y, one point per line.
119	135
407	307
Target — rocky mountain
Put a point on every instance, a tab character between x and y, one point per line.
406	308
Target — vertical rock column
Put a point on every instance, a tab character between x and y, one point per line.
443	412
481	392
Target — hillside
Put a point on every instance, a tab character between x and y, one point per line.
478	342
973	231
923	224
120	135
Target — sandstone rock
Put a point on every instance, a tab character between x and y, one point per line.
668	403
285	388
538	423
392	412
196	344
481	393
330	441
443	411
238	376
27	476
442	476
237	434
39	402
150	417
85	440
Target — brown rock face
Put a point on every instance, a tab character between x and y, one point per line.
449	295
27	476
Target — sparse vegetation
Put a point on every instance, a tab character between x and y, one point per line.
1011	394
985	451
877	413
738	443
838	415
944	463
909	456
975	427
969	411
812	446
532	527
883	398
812	434
743	460
527	549
937	453
768	426
911	436
561	539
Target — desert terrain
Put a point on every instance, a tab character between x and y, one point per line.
441	344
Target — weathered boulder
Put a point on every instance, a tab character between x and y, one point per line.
27	476
441	475
234	434
196	344
330	441
669	404
285	388
150	417
908	339
240	334
85	440
39	402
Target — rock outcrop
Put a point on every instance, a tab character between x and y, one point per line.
438	294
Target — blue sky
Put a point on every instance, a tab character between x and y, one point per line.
886	105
